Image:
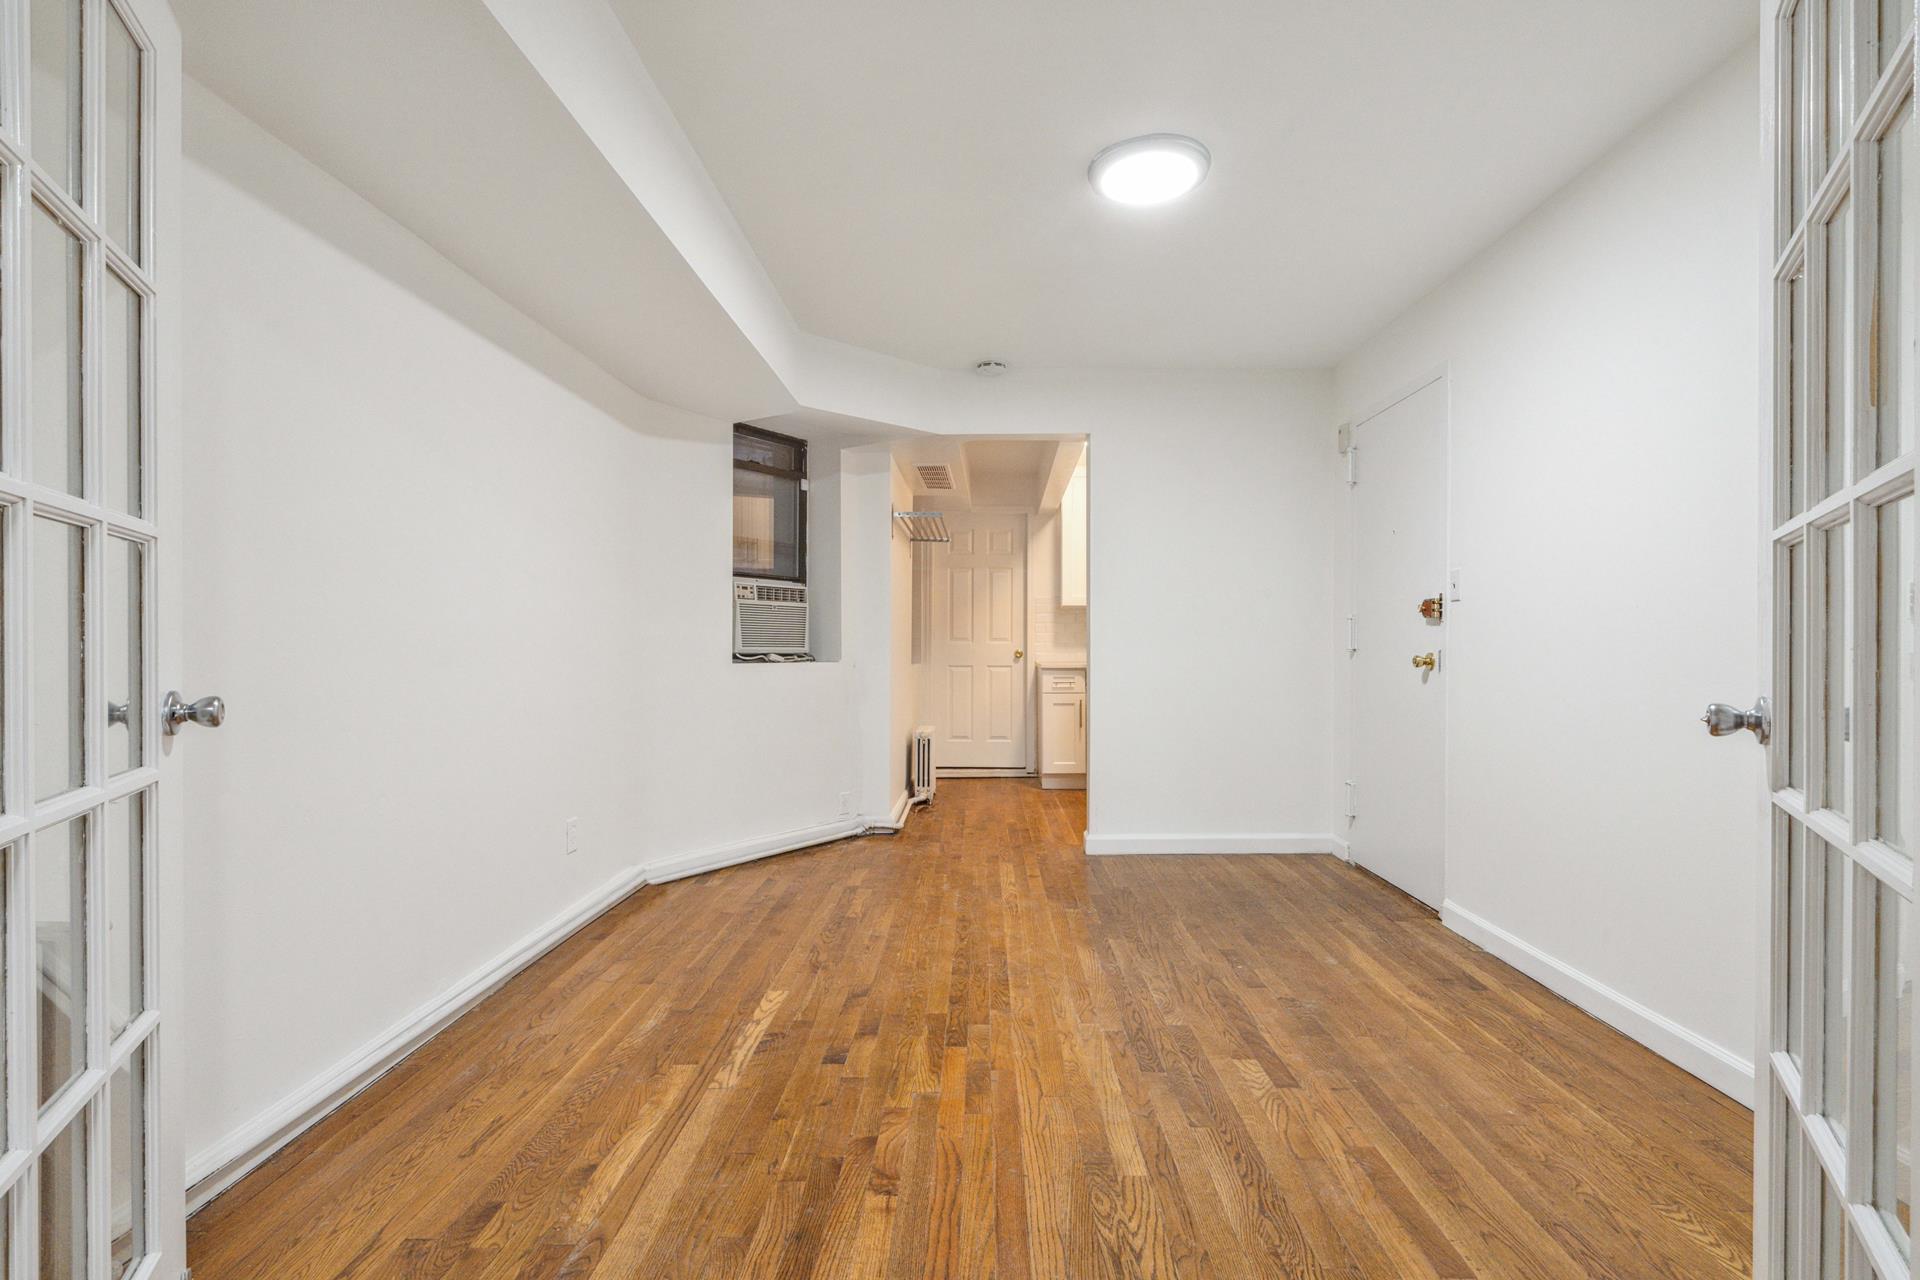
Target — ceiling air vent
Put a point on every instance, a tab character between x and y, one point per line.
934	478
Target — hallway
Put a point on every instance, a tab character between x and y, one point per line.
972	1051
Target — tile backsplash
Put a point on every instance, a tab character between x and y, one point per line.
1058	629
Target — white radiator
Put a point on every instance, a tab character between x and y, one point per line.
923	764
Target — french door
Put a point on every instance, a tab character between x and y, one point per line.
80	569
1834	1169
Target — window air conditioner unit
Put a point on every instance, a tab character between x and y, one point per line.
769	616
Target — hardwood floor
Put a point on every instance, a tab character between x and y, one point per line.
970	1051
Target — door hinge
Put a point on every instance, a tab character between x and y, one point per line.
1353	465
1352	810
1352	648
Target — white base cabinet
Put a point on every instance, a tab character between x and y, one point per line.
1063	728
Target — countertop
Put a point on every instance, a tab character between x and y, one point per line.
1061	662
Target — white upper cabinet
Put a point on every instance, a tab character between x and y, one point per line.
1073	540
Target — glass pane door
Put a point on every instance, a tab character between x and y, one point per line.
77	563
1834	1184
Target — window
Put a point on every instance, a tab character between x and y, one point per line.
769	505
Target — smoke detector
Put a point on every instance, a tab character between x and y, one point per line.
990	368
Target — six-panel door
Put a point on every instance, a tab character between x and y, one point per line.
979	634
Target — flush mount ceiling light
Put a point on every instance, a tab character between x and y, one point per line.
1150	170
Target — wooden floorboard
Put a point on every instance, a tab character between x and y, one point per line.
969	1051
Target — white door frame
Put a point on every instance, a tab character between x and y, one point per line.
1821	1145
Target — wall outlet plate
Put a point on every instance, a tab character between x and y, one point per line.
846	803
573	835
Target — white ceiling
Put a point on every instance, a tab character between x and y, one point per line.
999	472
1008	473
913	175
427	109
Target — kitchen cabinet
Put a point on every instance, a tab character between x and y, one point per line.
1073	540
1063	728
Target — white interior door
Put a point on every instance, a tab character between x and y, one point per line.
1397	777
1834	1172
979	638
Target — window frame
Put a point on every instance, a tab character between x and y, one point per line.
798	474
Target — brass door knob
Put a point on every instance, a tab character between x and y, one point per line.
1426	661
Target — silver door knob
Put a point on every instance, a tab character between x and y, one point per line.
208	712
1722	719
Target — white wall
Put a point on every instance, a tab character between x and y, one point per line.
1603	368
1213	499
457	586
1210	586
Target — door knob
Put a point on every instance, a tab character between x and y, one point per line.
1722	719
208	712
1019	654
1426	661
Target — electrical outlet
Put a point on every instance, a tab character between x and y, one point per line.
573	835
846	803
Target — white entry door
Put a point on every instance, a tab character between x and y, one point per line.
979	638
90	1177
1835	1120
1399	504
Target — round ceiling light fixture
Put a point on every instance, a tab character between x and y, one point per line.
1149	170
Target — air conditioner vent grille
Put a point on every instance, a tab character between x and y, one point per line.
935	477
766	628
769	617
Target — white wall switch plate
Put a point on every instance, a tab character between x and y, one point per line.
573	835
1453	586
846	803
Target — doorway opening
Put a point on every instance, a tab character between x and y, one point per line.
998	683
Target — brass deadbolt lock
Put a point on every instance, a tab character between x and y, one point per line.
1433	608
1426	661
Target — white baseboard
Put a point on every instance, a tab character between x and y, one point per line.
898	817
1269	843
1719	1066
692	864
1342	849
233	1157
228	1160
